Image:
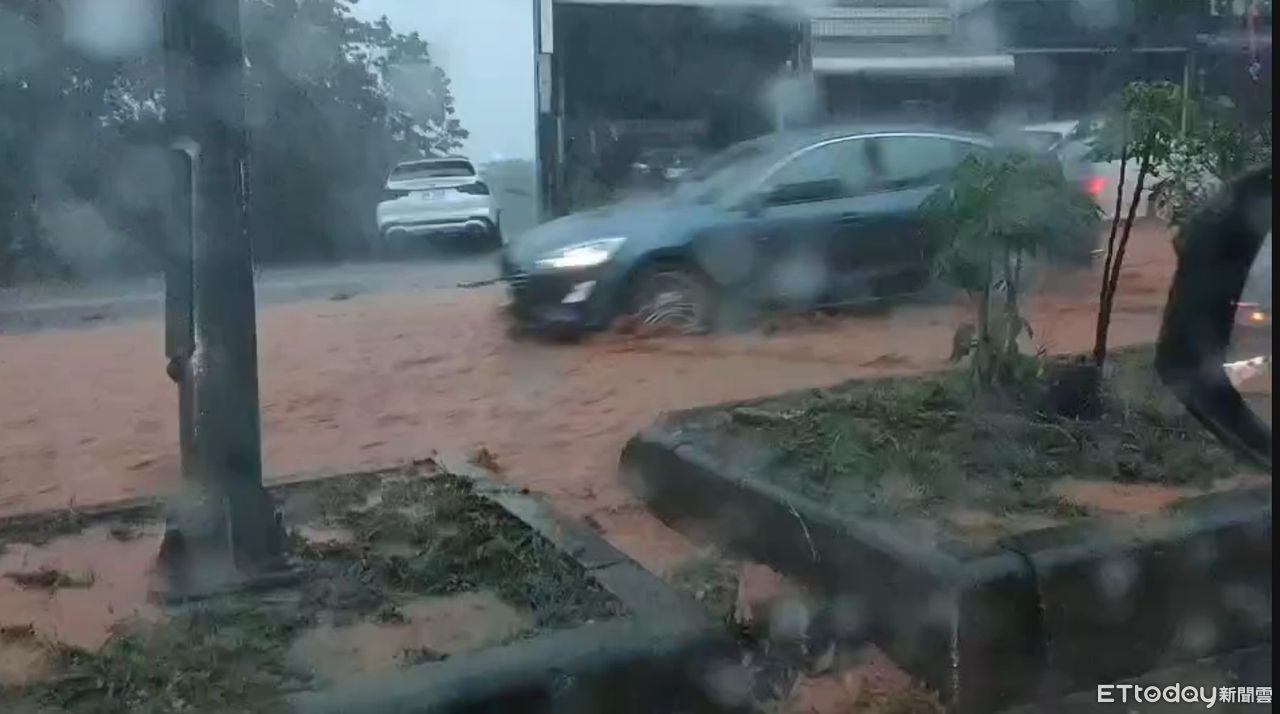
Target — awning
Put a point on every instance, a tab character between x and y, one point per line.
922	66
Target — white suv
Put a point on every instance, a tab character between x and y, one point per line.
434	198
1070	140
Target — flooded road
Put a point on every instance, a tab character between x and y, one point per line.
87	416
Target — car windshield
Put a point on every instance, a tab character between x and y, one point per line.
571	356
719	173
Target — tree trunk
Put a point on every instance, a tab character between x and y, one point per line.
1144	169
1011	297
1104	311
1111	280
1013	275
982	346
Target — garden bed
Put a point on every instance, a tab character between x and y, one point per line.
993	550
927	454
415	585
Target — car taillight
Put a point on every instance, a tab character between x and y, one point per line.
479	188
1093	186
392	194
1252	313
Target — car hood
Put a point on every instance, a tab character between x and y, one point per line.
647	224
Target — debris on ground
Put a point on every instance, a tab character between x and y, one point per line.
47	578
712	581
17	633
401	567
486	460
123	532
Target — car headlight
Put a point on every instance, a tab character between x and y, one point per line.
581	255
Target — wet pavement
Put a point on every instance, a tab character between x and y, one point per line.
407	365
88	416
36	308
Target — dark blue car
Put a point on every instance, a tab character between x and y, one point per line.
794	220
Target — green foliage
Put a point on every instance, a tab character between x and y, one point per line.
1141	121
1218	146
997	209
330	110
1005	200
331	103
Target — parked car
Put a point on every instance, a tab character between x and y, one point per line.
797	219
663	165
1071	141
437	198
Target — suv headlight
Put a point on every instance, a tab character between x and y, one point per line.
581	255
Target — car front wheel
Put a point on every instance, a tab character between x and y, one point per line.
671	299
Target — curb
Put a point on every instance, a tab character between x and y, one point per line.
1039	615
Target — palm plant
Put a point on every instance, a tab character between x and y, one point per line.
997	210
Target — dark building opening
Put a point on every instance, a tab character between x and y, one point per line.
639	85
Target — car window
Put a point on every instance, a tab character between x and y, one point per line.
433	169
1041	140
910	161
823	173
720	172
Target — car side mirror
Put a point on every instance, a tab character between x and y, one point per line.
1218	247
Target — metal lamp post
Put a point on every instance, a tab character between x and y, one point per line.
225	530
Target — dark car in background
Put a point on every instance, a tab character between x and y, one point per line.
659	166
798	220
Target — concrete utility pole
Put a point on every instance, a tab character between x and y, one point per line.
227	530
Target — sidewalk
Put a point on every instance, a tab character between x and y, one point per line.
31	308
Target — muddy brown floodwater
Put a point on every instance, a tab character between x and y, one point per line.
88	416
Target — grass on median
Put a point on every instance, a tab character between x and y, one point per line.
223	656
912	445
411	535
435	536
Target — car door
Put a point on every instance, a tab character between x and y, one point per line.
802	210
883	240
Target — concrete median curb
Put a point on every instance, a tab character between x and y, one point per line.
1037	616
